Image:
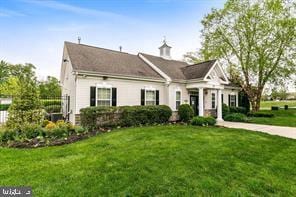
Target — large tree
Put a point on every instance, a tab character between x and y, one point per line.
4	71
257	41
50	87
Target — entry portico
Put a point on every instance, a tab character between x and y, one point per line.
213	82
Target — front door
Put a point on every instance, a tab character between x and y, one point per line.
194	103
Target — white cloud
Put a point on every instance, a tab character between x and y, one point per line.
10	13
78	10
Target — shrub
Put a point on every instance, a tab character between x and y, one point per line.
210	120
57	132
241	110
225	110
198	121
144	115
286	107
274	108
53	108
94	117
79	129
185	112
26	107
45	123
260	114
17	119
7	135
32	131
4	107
50	125
51	102
236	117
203	121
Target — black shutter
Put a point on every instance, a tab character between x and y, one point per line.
222	98
114	96
229	100
234	100
157	97
142	97
92	96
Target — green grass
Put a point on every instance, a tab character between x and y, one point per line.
268	104
160	160
282	118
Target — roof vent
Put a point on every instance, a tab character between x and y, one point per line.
165	50
79	39
120	48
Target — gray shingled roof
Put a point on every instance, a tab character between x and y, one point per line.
94	59
172	68
199	70
178	70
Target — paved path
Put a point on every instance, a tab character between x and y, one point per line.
289	132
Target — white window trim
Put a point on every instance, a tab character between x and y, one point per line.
178	90
150	89
234	100
103	86
215	105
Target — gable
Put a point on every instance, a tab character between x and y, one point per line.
216	74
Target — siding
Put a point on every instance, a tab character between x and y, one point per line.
68	86
128	91
172	95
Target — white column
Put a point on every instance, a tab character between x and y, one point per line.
219	105
200	102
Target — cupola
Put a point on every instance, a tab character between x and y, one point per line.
165	50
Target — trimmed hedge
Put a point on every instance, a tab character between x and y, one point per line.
4	107
260	114
225	110
203	121
53	108
185	112
275	108
241	110
236	117
95	117
50	102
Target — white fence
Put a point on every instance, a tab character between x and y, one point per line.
3	116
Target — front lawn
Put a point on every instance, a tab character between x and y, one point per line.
282	118
268	104
160	160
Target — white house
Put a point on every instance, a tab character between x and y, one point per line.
93	76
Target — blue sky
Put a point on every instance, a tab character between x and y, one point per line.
34	31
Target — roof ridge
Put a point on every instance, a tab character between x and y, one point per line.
163	58
100	48
200	63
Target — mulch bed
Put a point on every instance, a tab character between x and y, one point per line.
36	143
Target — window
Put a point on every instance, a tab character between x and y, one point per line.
213	100
232	101
178	99
150	97
104	97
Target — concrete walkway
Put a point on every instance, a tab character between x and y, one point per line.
289	132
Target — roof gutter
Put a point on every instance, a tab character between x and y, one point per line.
128	77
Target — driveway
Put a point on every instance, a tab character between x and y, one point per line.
289	132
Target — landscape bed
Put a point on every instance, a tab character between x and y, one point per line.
159	160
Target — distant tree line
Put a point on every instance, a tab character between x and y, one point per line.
12	76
